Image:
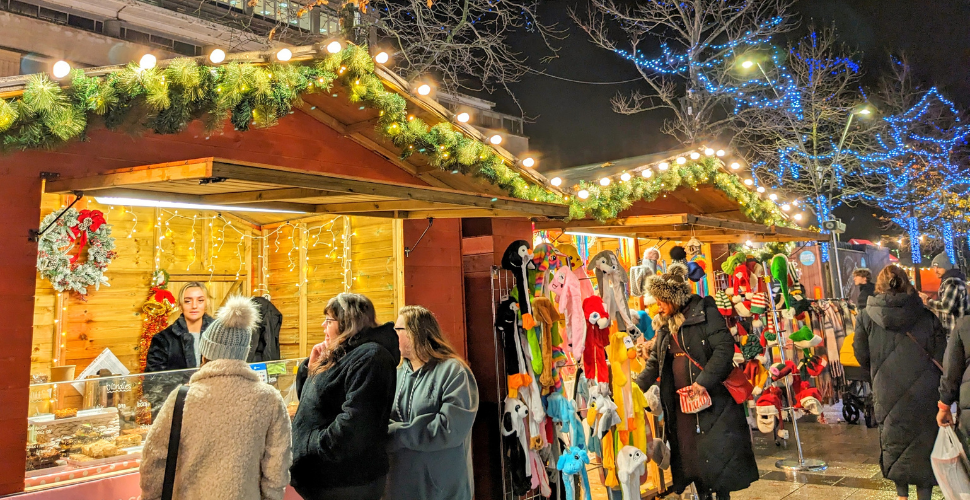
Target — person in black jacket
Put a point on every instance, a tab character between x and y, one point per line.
896	341
265	343
346	390
176	347
862	278
712	448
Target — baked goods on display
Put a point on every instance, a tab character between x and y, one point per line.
65	413
143	414
128	440
80	457
42	457
101	449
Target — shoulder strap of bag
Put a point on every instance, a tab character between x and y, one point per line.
935	362
171	460
699	367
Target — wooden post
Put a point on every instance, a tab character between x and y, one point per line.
347	264
302	276
59	341
398	245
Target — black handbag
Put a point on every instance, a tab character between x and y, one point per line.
171	461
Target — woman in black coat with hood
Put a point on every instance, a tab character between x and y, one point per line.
712	448
346	391
896	340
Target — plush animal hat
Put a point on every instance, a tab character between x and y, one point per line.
671	287
572	255
518	258
638	279
546	259
616	269
630	467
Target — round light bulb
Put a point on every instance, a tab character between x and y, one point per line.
217	56
625	177
463	117
556	181
795	203
773	197
583	194
648	173
334	47
786	207
284	55
735	166
424	89
681	160
748	182
720	153
381	58
798	216
695	155
61	69
709	152
749	243
528	162
664	165
761	189
147	61
495	139
605	181
747	64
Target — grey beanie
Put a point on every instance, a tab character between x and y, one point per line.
942	261
229	335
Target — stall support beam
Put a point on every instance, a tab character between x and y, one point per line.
302	268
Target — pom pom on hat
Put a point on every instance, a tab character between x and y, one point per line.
229	336
678	253
671	287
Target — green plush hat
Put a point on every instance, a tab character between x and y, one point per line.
779	271
732	262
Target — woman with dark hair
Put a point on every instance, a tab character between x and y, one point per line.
694	351
346	390
896	340
433	413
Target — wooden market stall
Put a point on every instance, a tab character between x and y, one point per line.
320	202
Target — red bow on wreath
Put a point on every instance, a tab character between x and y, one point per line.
81	237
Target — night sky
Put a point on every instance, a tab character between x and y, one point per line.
573	124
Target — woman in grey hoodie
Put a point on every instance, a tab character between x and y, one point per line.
431	420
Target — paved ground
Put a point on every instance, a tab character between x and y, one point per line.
852	453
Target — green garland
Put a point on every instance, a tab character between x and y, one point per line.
166	100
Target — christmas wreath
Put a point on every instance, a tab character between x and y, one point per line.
61	245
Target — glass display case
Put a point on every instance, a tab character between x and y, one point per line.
88	429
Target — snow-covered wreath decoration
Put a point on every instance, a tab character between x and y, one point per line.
74	231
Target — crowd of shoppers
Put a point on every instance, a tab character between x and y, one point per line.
385	411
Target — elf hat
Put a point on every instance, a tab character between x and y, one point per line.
741	280
752	348
738	356
780	370
723	304
804	338
759	304
816	364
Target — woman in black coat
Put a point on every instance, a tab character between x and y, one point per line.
346	391
904	378
712	448
176	347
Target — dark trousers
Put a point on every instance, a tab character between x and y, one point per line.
922	493
371	491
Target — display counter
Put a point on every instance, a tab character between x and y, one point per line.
92	429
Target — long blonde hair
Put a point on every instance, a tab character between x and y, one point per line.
426	338
354	313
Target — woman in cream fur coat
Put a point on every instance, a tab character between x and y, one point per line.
235	441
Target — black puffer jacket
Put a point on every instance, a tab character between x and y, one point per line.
866	290
173	348
903	381
955	383
340	429
727	460
265	342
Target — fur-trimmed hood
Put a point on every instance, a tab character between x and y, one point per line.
671	287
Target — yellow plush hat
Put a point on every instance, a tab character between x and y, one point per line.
570	251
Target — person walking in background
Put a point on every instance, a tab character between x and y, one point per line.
863	280
346	389
431	420
899	341
953	302
235	438
955	384
712	448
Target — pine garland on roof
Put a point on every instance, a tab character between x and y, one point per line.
166	100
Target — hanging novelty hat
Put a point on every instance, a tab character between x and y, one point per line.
779	272
678	255
804	338
724	305
696	271
759	303
518	259
769	409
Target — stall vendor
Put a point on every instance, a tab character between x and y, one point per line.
176	347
